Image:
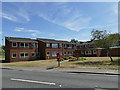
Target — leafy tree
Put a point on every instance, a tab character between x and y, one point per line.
102	39
74	41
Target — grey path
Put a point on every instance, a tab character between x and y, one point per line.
61	80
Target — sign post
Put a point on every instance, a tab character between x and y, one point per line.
58	58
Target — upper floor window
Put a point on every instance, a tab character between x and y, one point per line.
70	46
54	45
48	45
81	46
14	44
82	52
73	46
60	45
14	55
65	46
24	45
33	45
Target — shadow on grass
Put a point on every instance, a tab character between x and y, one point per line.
115	62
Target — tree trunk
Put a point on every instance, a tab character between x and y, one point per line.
109	53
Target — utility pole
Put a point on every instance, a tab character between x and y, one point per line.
2	49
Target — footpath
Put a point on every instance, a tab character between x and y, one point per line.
89	70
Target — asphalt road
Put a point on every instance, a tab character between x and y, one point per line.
34	79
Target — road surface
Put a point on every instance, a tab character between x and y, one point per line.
34	79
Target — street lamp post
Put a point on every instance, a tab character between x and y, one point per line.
2	49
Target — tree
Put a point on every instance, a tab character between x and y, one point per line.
74	41
102	39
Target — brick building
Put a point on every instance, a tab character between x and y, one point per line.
87	49
48	48
20	49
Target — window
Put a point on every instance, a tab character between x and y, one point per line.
54	45
24	45
69	53
69	46
14	44
94	52
60	45
48	53
24	55
33	45
54	54
82	52
65	53
87	52
33	54
65	46
14	55
48	45
37	45
81	46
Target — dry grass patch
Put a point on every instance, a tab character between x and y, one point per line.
37	63
100	62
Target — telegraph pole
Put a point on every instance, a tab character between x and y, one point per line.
2	49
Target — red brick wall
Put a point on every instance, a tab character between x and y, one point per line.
9	50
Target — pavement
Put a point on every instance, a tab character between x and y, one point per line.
90	70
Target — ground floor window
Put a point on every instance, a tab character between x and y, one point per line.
69	53
82	52
65	53
48	53
14	55
54	54
33	54
87	52
94	52
24	55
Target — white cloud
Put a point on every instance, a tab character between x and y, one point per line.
9	17
66	16
115	8
0	32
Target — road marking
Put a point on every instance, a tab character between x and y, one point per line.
48	83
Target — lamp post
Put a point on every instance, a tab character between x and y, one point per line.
2	49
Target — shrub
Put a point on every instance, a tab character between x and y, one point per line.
72	60
65	58
71	57
82	58
62	59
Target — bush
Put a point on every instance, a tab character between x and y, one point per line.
82	58
71	57
65	58
62	59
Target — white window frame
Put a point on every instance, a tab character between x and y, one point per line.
70	53
54	45
55	54
94	52
14	53
47	45
82	52
60	45
14	42
65	53
24	45
34	54
48	54
33	45
24	55
69	46
89	53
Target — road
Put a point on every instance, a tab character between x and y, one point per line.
34	79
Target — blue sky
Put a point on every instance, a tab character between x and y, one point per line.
62	21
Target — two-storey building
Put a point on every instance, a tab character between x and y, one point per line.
20	49
48	48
